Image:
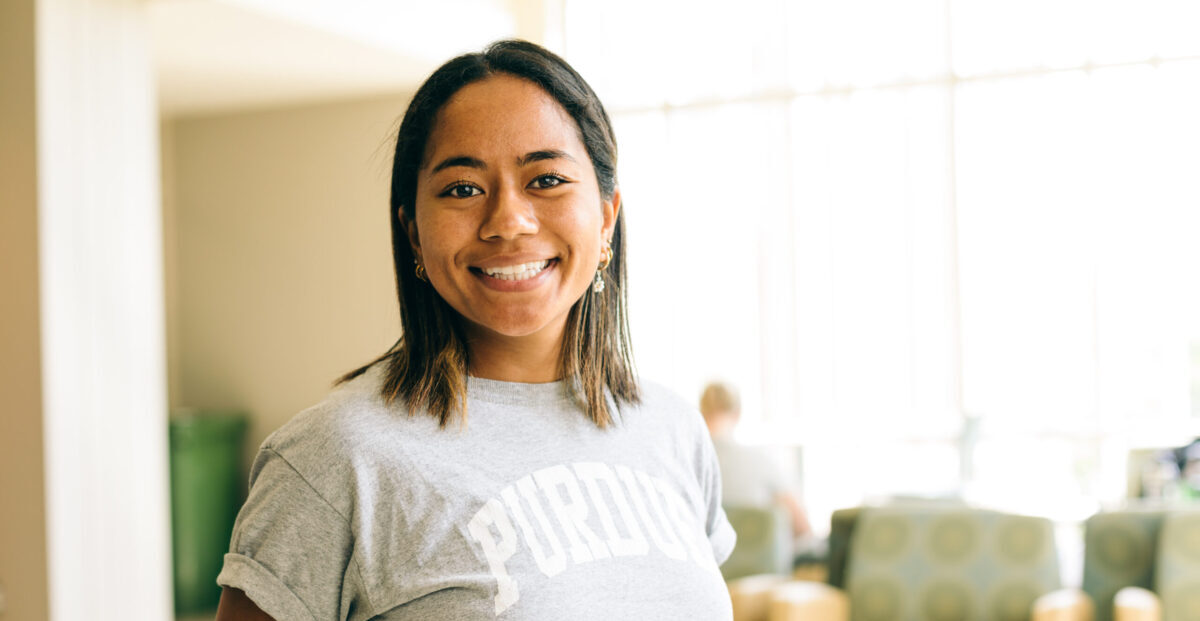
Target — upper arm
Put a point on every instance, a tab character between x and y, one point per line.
290	549
235	606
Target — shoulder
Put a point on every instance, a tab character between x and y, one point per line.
665	406
348	411
330	440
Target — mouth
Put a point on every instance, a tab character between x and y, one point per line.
520	271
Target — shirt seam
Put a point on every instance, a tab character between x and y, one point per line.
309	484
366	593
366	588
498	400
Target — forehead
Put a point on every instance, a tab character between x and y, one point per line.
498	116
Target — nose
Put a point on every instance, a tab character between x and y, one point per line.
510	215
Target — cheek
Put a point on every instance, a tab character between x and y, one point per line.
587	231
440	240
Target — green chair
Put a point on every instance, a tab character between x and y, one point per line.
943	564
926	562
1119	552
843	521
1177	578
764	544
1143	564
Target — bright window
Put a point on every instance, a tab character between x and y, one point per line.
929	240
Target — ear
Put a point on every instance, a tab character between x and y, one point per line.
611	208
410	228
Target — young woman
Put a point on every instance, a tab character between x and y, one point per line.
501	460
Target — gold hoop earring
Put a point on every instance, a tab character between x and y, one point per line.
598	284
607	258
420	271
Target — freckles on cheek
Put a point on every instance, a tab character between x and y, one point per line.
442	242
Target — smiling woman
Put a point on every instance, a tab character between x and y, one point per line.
575	491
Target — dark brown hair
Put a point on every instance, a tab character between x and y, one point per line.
427	368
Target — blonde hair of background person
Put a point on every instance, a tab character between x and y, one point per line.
722	409
574	490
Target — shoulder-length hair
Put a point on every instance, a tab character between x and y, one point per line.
427	368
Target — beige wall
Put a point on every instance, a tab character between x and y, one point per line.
279	275
23	576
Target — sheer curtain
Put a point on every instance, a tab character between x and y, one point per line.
947	246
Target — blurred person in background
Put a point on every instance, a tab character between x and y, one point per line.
751	476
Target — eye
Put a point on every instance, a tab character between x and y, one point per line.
461	189
547	181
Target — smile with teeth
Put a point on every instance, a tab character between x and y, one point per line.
522	271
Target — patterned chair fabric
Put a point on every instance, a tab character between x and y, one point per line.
1178	568
763	546
841	530
1119	551
948	564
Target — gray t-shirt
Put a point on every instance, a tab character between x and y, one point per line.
359	511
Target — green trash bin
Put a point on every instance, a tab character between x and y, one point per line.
207	489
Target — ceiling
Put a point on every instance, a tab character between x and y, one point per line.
219	56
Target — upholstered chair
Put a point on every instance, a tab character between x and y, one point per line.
925	563
764	543
1176	575
1178	567
942	564
1119	552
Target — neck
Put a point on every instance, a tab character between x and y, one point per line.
532	359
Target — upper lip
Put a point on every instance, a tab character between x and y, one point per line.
505	260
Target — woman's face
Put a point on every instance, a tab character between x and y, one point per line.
510	224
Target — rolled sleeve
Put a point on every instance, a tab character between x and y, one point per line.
290	548
266	590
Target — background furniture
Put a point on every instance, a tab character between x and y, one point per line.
1177	579
764	542
1119	551
927	562
934	564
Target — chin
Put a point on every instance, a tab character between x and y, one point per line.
517	330
521	326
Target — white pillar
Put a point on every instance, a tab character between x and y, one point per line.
102	345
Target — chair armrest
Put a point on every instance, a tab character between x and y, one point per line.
1064	605
800	600
751	595
1136	604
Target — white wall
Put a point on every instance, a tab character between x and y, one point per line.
91	343
279	254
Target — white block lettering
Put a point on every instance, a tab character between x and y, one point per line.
572	513
691	530
635	543
550	564
497	552
669	546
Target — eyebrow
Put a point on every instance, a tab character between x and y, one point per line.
459	160
471	162
543	155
